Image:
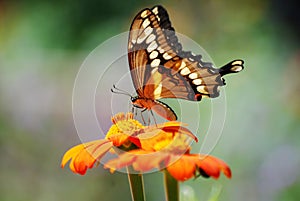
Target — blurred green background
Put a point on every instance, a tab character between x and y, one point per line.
43	43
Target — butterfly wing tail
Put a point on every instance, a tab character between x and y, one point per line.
232	67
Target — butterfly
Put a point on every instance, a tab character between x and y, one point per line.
161	69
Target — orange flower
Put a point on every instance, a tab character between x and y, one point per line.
126	133
168	148
181	167
162	146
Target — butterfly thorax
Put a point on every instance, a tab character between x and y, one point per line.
140	102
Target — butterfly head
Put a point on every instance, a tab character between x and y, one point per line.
134	99
138	102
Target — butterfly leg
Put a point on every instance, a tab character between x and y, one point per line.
143	116
133	111
153	118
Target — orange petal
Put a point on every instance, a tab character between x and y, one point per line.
212	166
140	160
118	139
135	141
99	148
83	161
176	127
72	152
146	161
183	169
84	156
224	167
122	161
154	138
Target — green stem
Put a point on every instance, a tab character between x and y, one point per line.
136	186
171	187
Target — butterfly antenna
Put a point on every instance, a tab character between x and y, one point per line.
119	91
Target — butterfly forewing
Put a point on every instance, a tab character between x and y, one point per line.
148	51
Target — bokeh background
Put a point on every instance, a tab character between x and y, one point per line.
43	43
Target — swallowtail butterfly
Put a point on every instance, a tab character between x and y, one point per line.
161	69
